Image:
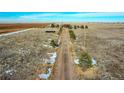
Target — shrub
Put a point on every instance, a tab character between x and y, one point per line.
85	60
72	34
78	26
52	25
75	27
82	27
53	44
57	26
86	26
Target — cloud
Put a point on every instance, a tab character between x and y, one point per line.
54	14
75	15
36	16
96	14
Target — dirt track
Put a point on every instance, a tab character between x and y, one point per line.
64	62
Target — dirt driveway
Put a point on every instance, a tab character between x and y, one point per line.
64	64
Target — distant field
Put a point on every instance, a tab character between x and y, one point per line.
5	28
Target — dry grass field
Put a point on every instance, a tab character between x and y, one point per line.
26	55
105	43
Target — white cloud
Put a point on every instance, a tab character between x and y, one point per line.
96	14
35	16
75	15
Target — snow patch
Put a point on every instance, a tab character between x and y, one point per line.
94	61
45	60
46	76
49	53
10	71
49	39
59	42
52	58
47	46
50	61
76	61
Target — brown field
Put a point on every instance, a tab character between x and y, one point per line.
5	28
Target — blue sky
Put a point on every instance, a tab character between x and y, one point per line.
34	17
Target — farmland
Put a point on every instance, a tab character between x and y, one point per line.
87	51
5	28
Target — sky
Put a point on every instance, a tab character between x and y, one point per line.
37	17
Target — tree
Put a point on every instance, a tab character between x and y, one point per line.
86	27
85	60
72	34
52	43
52	25
75	27
57	25
82	27
78	26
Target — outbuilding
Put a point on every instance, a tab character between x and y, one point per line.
50	31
